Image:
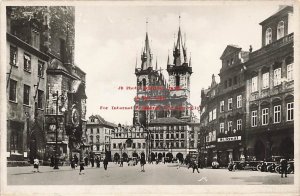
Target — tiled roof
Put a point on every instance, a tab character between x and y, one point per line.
168	120
103	122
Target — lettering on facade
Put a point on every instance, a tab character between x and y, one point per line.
228	139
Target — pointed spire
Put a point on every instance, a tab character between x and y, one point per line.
136	62
156	64
190	62
180	49
168	62
146	54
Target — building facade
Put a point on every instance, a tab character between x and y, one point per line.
98	133
128	142
56	84
270	91
249	114
26	87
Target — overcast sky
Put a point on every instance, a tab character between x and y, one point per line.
110	38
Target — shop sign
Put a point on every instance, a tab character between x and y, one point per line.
228	139
211	146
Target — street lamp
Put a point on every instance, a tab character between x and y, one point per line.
63	109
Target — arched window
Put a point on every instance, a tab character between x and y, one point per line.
177	80
268	36
280	30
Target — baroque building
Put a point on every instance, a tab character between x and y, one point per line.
270	90
98	134
128	142
249	114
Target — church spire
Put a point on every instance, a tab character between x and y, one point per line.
146	56
179	52
156	64
190	62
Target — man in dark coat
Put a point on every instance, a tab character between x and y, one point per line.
98	161
195	166
92	160
86	161
283	164
105	163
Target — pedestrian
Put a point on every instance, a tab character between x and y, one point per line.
36	164
92	160
195	166
52	161
283	164
121	162
73	163
98	161
75	160
143	162
81	167
178	163
105	163
86	160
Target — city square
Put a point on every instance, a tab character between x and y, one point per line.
102	95
161	174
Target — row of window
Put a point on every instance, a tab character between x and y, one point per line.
277	115
26	94
230	127
122	135
230	82
280	32
213	114
134	145
169	128
276	79
27	61
168	145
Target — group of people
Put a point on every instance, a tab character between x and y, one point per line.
85	163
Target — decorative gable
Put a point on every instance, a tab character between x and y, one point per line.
229	50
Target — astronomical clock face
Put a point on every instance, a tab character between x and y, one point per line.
75	117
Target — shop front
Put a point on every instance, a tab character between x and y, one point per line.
229	149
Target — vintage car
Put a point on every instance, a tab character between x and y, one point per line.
215	165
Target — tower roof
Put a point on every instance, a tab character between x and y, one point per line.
146	56
179	52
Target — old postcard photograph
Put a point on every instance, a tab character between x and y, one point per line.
139	97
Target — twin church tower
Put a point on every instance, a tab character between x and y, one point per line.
158	98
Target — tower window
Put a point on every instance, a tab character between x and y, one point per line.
177	80
280	30
268	36
144	84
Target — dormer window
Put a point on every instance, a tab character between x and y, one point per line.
280	30
268	36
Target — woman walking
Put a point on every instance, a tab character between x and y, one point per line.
143	162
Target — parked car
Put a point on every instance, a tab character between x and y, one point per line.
215	165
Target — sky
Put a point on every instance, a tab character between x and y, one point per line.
109	39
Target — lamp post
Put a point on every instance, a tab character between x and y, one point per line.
56	130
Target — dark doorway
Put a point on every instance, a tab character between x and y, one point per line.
259	150
286	148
